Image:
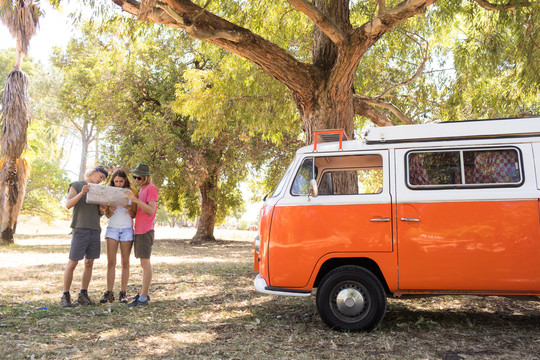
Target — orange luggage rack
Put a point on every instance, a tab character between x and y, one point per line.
328	136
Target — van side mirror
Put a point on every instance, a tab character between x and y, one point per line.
313	188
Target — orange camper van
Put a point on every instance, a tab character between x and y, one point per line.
443	208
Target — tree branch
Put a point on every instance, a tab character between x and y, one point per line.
393	17
388	106
510	6
416	74
382	7
198	34
326	25
362	108
238	40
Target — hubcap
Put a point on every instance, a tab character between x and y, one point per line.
350	302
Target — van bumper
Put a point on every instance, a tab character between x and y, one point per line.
261	286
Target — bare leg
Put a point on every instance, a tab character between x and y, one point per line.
125	251
112	249
68	274
87	273
147	276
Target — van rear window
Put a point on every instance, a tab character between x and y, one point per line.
463	168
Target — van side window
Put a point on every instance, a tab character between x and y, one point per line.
301	181
350	175
480	167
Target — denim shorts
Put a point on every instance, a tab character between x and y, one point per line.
119	234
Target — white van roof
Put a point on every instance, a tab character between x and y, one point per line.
454	130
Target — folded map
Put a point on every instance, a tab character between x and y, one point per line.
107	195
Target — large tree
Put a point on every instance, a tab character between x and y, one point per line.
344	31
185	110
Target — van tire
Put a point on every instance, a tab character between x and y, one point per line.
351	298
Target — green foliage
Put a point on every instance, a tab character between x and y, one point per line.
496	63
206	105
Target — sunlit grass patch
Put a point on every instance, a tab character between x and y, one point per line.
203	306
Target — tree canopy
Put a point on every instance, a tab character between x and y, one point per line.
188	111
377	60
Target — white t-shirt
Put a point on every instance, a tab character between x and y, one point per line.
121	219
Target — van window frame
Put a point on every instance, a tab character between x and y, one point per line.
464	186
326	171
319	177
310	157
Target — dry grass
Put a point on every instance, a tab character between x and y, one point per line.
204	307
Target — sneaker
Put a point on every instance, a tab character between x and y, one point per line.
138	302
65	301
108	296
122	297
84	299
137	296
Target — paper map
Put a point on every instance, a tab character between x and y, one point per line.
107	195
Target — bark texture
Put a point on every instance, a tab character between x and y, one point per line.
207	220
14	174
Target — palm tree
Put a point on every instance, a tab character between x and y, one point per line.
21	18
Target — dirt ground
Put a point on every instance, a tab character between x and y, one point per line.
204	306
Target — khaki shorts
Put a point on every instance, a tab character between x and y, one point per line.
142	244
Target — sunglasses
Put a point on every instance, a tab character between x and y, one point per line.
137	177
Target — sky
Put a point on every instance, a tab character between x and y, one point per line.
54	30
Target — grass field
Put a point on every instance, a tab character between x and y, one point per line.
204	306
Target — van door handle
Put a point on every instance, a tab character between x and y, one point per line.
409	219
380	220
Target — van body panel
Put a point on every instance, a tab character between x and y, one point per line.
264	234
536	155
483	238
304	234
386	262
469	246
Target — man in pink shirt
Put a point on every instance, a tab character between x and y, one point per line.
144	227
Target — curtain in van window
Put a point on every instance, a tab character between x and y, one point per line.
492	167
418	174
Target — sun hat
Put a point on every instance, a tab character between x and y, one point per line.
141	169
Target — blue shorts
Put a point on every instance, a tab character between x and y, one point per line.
119	234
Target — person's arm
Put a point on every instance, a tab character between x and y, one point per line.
74	197
147	208
102	209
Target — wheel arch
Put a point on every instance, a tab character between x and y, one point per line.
363	262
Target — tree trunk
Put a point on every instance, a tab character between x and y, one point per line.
330	106
13	177
328	109
207	220
84	151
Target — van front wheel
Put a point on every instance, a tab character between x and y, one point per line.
351	298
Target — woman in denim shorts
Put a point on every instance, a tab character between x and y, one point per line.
119	231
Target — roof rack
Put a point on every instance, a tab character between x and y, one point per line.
495	128
329	136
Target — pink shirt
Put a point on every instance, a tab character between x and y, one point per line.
145	222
